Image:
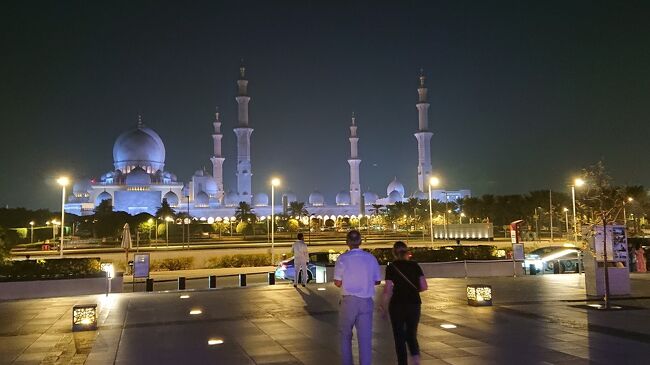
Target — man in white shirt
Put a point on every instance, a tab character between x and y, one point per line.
300	259
356	273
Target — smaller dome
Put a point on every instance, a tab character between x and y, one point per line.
343	198
395	185
172	198
138	177
316	199
231	199
370	198
202	199
394	197
291	197
211	187
103	196
420	195
260	200
81	188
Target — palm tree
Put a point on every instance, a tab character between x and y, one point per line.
376	209
244	212
297	209
165	210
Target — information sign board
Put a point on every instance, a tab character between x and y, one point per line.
141	265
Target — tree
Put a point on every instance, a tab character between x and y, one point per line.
605	201
244	212
297	209
165	210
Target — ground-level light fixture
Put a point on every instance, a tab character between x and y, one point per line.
448	326
184	296
479	295
215	341
195	312
84	317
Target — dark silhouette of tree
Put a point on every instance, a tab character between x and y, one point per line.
165	210
297	209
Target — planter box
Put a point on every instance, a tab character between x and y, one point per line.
57	288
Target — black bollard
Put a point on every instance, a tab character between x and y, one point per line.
271	278
181	283
212	281
242	279
149	285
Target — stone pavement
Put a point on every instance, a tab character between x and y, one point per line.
534	320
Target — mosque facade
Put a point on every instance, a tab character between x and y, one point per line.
138	181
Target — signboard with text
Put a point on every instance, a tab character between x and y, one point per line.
616	243
141	265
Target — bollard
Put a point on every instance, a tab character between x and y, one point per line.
181	283
532	270
212	281
271	278
149	285
242	279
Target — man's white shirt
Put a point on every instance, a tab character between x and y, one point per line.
300	252
358	270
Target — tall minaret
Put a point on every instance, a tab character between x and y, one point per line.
423	135
217	159
354	161
243	133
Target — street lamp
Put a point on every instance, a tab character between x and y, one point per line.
150	221
461	218
576	183
629	199
63	181
167	220
31	225
566	220
433	181
274	182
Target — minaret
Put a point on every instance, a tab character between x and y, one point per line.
354	161
243	133
423	135
217	159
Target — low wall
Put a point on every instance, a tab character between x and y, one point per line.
57	288
459	269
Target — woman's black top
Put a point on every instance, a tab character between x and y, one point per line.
403	292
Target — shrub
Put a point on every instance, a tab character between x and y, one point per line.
173	264
50	269
442	254
239	260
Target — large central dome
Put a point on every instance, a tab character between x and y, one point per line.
140	146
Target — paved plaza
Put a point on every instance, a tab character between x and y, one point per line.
534	320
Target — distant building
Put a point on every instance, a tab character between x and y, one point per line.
139	182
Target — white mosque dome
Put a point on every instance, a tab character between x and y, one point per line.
103	196
395	185
370	198
343	198
231	199
172	198
211	187
291	196
395	197
316	199
420	195
138	177
260	200
81	188
202	199
141	146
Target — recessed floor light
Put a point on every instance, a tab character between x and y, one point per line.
594	305
448	325
215	342
196	311
185	296
321	289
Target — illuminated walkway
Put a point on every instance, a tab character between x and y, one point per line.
534	320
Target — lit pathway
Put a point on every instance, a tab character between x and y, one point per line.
534	320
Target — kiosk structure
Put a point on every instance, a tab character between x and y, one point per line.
615	240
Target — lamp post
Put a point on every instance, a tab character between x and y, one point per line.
461	218
536	217
629	199
31	226
167	220
433	181
566	220
274	182
577	182
63	181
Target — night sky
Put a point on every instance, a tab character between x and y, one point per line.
523	94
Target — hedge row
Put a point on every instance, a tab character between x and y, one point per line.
51	269
442	254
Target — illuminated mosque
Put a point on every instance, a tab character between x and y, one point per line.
138	181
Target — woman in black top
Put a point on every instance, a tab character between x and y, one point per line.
404	282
